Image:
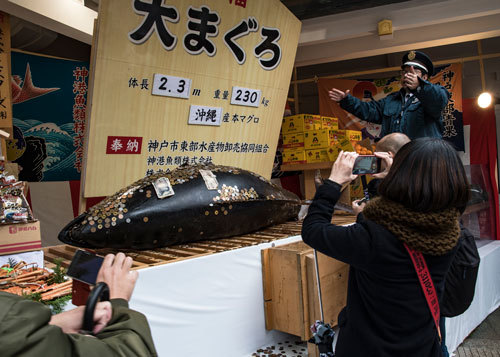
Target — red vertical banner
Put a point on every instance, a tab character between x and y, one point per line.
80	75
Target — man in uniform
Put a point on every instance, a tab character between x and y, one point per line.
415	110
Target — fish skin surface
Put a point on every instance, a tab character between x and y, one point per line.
135	218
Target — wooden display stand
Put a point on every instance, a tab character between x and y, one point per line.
291	300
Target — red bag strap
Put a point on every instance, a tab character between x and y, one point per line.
426	283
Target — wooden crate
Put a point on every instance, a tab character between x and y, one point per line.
290	289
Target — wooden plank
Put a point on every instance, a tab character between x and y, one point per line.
211	247
303	295
286	306
50	259
333	278
275	232
309	185
223	242
159	256
191	249
268	236
266	274
286	227
176	252
267	289
140	258
312	350
179	259
250	240
295	91
62	253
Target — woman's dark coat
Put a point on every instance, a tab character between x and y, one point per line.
386	313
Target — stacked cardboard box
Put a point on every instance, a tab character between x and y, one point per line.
307	138
19	231
20	237
293	130
339	141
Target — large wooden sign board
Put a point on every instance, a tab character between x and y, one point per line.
186	81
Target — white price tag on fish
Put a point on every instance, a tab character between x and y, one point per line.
163	187
210	179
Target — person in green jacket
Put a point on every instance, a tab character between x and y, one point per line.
416	110
28	328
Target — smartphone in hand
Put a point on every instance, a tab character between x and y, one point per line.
85	266
366	164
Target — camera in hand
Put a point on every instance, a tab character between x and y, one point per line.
366	164
363	200
85	266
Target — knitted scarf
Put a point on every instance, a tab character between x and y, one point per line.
433	233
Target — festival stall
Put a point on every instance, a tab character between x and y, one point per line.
186	83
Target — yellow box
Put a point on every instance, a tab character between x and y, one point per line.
295	140
333	152
353	135
300	123
292	124
335	136
312	122
329	123
318	155
316	139
338	142
294	156
345	145
339	138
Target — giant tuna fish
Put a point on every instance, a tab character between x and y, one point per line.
237	202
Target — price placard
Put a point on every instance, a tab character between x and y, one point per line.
246	97
203	115
171	86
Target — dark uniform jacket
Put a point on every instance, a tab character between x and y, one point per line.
386	313
419	117
25	332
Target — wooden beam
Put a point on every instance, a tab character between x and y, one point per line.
295	90
393	69
481	65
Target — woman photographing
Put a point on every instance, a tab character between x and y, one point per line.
420	202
